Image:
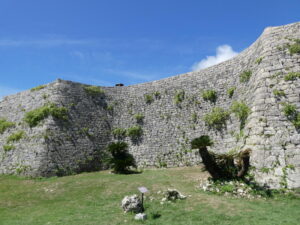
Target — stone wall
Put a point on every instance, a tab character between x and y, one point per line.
60	147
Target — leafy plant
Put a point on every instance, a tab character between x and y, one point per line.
157	94
4	124
242	111
295	48
216	118
148	98
230	91
134	132
15	136
194	117
119	133
139	117
179	96
290	111
38	88
7	148
32	118
258	60
93	90
121	160
278	93
292	76
245	76
209	95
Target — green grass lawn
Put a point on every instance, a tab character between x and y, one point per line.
95	198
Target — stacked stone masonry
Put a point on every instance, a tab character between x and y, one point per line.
57	147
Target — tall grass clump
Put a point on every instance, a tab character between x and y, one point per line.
216	118
4	124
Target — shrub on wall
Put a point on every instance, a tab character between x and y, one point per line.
4	124
139	117
93	90
15	136
32	118
134	132
242	111
7	148
209	95
216	118
295	48
119	133
179	96
148	98
245	76
290	111
278	93
230	91
292	76
259	60
38	88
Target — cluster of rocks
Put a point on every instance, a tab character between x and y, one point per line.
232	188
172	195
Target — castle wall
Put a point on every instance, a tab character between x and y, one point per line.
168	127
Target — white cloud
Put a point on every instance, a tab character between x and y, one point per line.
223	53
4	91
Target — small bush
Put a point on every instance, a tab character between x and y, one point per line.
294	48
194	117
258	60
38	88
216	118
93	90
157	94
179	96
278	93
32	118
292	76
110	108
7	148
230	91
209	95
139	117
148	98
242	111
15	136
119	133
134	132
245	76
4	124
121	160
290	111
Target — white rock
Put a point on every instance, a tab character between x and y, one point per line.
140	216
132	204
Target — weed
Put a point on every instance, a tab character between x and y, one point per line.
4	124
258	60
7	148
134	132
93	90
15	136
119	133
216	118
245	76
278	93
230	91
179	96
139	117
209	95
148	98
292	76
242	111
38	88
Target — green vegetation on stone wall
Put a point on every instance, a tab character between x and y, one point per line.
259	60
216	118
93	90
139	117
134	132
38	88
179	96
119	133
230	91
290	111
32	118
4	124
148	98
8	147
16	136
209	95
295	48
292	76
241	111
245	76
278	93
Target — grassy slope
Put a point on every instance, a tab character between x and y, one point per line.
94	198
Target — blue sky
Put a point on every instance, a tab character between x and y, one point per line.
103	42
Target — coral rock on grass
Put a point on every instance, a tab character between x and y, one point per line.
132	204
172	195
140	216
